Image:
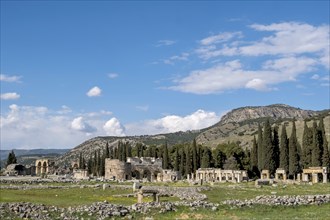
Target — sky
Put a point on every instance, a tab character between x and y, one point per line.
74	70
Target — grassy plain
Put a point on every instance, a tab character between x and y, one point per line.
217	194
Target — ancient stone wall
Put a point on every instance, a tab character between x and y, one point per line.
117	170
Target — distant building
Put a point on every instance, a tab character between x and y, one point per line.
147	168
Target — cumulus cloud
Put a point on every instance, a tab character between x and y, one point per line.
173	123
233	75
6	78
113	127
286	51
39	127
93	92
80	124
10	96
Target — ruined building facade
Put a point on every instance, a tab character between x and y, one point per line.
148	168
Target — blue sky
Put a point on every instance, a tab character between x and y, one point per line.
79	69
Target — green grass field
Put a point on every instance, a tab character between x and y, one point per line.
217	194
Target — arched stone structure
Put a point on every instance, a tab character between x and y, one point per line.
43	166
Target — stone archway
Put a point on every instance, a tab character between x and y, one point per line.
146	174
44	167
136	174
38	168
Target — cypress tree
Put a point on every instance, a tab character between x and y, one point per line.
260	149
254	156
293	152
194	156
176	161
268	148
325	154
276	147
107	151
165	157
206	159
188	161
307	143
90	165
80	161
219	158
231	164
182	157
316	150
284	152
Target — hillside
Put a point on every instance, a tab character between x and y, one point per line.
239	125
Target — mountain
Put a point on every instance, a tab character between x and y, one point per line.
238	125
277	111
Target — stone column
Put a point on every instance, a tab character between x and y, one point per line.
315	178
325	179
305	177
139	197
276	176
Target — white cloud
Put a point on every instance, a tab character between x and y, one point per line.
6	78
93	92
181	57
284	39
143	107
80	125
219	38
10	96
232	75
173	123
165	43
113	75
39	127
114	128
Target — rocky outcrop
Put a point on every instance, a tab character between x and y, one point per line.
278	111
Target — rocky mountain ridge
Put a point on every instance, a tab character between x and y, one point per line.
276	111
238	125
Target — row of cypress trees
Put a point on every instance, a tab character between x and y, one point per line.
269	151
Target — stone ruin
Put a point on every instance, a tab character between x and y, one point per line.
19	169
44	166
144	168
314	172
220	175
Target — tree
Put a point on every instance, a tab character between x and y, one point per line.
307	143
176	159
219	158
194	156
284	150
325	155
182	157
80	161
276	146
206	159
254	157
293	152
268	149
188	161
11	158
316	147
260	149
231	164
165	157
